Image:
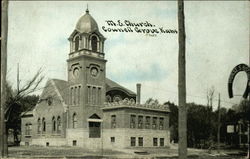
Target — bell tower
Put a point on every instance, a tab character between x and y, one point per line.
86	69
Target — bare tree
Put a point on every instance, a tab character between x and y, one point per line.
30	87
210	96
14	102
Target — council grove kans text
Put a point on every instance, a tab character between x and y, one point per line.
132	27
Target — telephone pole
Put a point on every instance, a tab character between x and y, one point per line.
218	131
17	79
182	117
4	33
248	123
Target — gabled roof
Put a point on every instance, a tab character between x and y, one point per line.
62	86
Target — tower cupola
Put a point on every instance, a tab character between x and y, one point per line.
86	38
86	24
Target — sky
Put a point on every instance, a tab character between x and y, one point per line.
217	39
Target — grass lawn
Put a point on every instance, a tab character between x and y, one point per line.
26	151
78	152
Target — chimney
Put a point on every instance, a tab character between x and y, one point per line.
138	93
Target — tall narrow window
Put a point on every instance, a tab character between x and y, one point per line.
161	141
79	94
154	123
132	121
94	95
59	124
44	125
77	43
39	128
132	141
53	124
147	124
113	121
74	121
140	122
88	95
94	43
140	141
75	95
99	96
71	95
155	141
28	127
161	123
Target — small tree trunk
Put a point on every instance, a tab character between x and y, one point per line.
15	135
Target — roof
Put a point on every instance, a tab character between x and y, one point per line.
62	86
125	104
27	114
86	24
111	85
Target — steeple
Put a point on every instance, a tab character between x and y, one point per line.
87	10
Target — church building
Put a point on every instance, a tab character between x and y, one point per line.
88	109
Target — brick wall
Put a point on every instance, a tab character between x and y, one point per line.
123	136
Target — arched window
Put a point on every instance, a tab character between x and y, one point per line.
94	43
74	121
59	124
53	124
44	125
39	126
77	43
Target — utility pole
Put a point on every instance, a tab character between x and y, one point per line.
18	80
248	123
248	137
218	131
182	117
4	34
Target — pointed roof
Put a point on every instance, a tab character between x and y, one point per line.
62	86
86	23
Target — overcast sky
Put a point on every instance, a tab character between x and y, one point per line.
217	40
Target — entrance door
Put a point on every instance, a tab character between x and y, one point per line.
94	129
